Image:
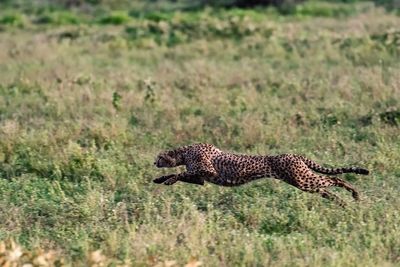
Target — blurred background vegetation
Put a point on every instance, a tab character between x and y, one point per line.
151	5
91	91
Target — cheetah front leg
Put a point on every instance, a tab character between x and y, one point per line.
187	177
164	178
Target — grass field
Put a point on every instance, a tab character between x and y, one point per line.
86	102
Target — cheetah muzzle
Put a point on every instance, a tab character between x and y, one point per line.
205	162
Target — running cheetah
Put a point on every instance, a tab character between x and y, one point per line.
205	162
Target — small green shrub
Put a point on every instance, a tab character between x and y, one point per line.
180	30
14	19
58	18
158	16
321	9
115	18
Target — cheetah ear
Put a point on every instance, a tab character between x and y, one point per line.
171	153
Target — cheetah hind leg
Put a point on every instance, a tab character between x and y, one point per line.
341	183
331	196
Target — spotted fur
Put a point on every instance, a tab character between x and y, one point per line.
205	162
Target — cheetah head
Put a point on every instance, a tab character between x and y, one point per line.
166	159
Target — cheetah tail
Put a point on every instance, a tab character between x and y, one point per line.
318	168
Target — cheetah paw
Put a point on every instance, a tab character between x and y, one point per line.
162	179
171	181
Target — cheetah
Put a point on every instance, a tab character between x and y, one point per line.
205	162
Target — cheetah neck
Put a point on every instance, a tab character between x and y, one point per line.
179	156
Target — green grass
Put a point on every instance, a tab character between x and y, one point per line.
85	107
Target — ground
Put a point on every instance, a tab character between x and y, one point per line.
85	106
